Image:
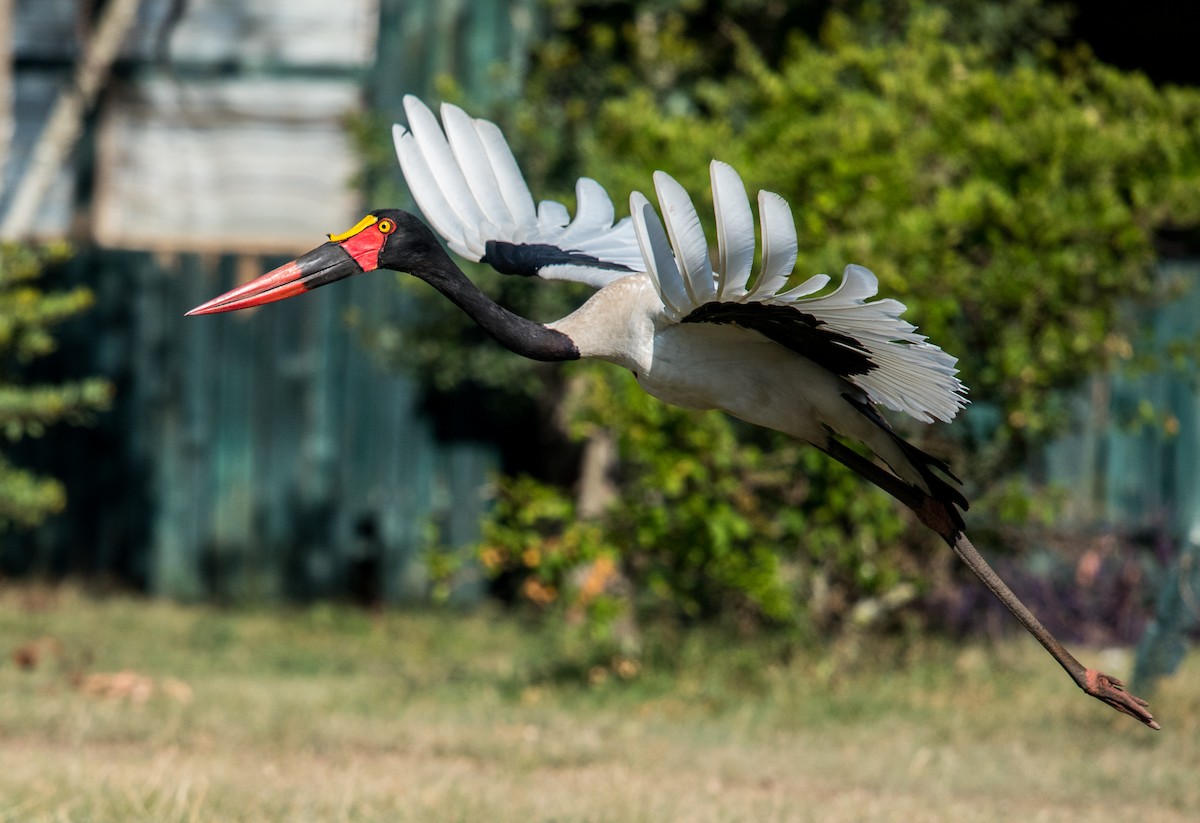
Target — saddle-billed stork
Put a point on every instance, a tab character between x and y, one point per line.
695	332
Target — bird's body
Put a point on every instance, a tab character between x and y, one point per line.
697	331
725	367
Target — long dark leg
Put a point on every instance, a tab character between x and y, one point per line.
937	516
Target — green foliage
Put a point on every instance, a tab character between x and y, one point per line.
1007	189
1013	211
28	316
711	521
1011	203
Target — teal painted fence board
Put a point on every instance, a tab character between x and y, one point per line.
312	461
284	458
1132	461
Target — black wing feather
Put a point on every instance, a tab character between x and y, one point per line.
798	331
527	259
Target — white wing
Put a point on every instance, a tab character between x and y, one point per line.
467	183
868	342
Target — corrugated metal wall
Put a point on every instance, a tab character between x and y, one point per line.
266	454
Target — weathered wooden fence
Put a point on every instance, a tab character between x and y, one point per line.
265	454
252	456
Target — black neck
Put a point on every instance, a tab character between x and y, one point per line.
516	333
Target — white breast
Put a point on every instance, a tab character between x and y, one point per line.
617	324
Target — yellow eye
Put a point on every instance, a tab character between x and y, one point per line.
386	226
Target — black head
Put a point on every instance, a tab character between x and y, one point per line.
384	239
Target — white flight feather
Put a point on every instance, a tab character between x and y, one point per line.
476	168
780	247
437	154
687	238
656	251
466	181
735	230
909	375
810	286
552	216
425	189
594	212
508	174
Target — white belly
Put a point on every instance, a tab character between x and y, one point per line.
724	367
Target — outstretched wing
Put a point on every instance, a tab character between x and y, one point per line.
468	185
866	341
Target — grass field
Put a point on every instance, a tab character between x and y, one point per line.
133	710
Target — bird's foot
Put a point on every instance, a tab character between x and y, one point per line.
1112	691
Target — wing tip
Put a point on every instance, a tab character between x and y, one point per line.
773	199
413	103
720	173
450	110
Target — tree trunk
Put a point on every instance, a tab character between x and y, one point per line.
66	120
7	93
596	487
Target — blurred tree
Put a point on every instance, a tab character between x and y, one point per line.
28	315
1008	189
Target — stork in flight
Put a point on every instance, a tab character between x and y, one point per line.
695	332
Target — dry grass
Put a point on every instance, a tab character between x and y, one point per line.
143	711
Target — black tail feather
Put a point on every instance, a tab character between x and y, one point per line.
948	496
939	489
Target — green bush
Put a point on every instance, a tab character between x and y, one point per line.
1014	210
28	315
1008	191
711	520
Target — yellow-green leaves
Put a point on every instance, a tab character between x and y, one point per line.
28	316
1013	206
